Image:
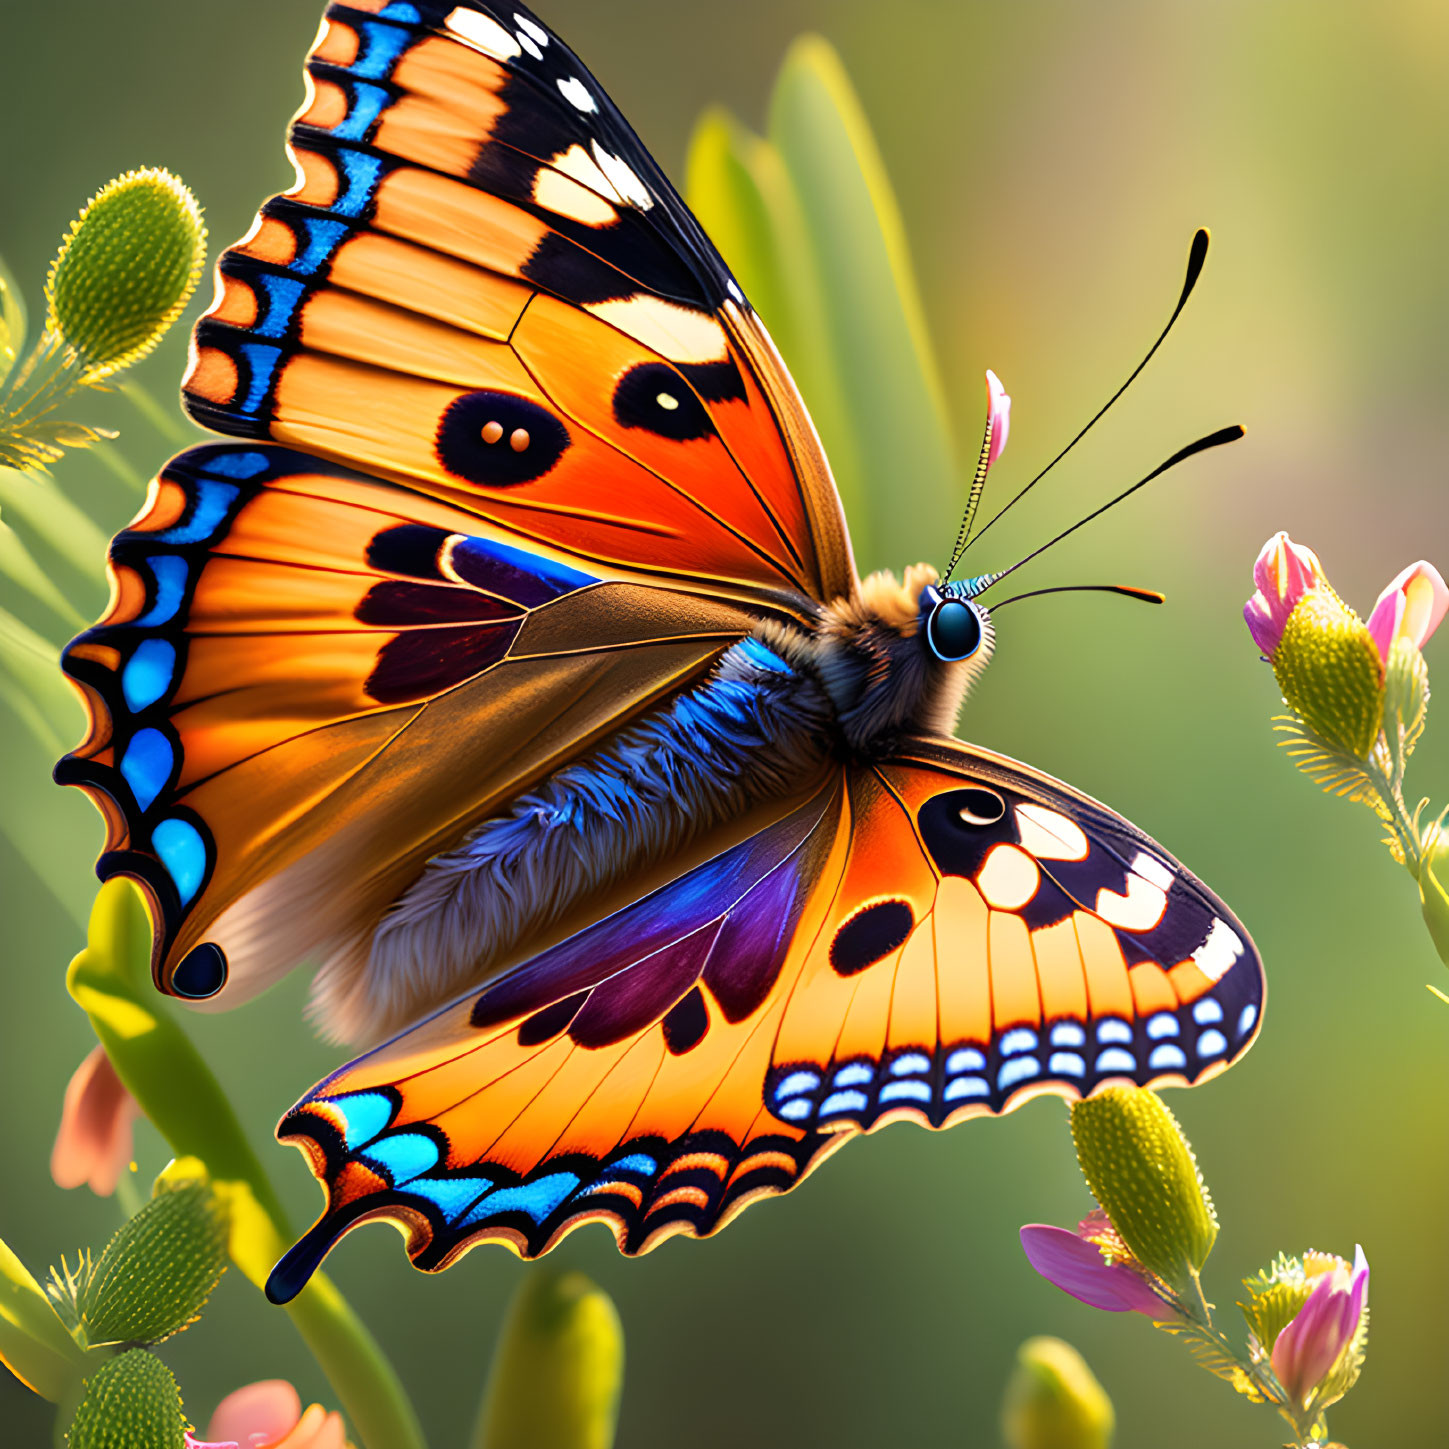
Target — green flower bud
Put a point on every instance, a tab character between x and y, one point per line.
126	270
1141	1170
1434	886
558	1370
157	1272
1329	670
1406	694
1053	1400
130	1403
12	322
1275	1297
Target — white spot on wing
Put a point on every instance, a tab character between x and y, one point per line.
679	333
623	178
483	33
734	290
1139	910
1009	878
1217	954
564	196
527	42
537	32
1150	868
576	93
577	162
1048	835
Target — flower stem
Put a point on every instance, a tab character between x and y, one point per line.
111	981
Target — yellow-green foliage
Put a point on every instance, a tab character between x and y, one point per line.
159	1269
1053	1400
130	1403
558	1370
1329	671
1140	1168
127	268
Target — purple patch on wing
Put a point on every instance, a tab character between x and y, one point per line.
632	935
751	949
424	662
397	605
627	1003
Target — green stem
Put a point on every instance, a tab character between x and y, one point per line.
1400	821
111	981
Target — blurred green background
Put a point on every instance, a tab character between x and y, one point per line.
1052	160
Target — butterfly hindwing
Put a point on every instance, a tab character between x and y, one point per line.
484	286
939	936
299	693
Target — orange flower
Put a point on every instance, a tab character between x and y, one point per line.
93	1144
268	1415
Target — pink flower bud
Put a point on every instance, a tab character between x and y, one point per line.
1307	1350
1285	571
1412	607
93	1144
998	412
269	1415
1077	1266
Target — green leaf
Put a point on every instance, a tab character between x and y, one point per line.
739	188
37	501
35	1344
1141	1170
12	321
558	1370
876	326
1053	1400
155	1275
19	565
131	1403
32	684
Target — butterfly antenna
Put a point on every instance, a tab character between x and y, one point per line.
1196	256
1127	591
998	420
1213	440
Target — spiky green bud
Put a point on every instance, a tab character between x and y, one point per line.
157	1272
126	269
558	1370
1053	1400
1141	1170
1434	885
130	1403
12	322
1329	670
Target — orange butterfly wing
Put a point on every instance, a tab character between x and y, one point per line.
485	295
941	936
484	287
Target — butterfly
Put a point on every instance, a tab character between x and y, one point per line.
512	665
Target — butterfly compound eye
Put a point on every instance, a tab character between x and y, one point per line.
953	631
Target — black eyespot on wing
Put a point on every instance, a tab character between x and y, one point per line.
498	440
552	1021
393	604
960	826
686	1023
201	972
715	381
653	396
870	935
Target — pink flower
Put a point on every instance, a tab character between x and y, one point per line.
998	411
93	1144
1285	571
1077	1266
268	1415
1307	1350
1412	607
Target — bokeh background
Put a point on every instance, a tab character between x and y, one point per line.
1052	160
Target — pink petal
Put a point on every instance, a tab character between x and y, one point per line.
1425	598
1266	630
1314	1339
261	1413
1383	623
94	1142
1078	1268
317	1429
192	1442
998	407
1284	572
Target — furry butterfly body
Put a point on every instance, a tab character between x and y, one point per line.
514	668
